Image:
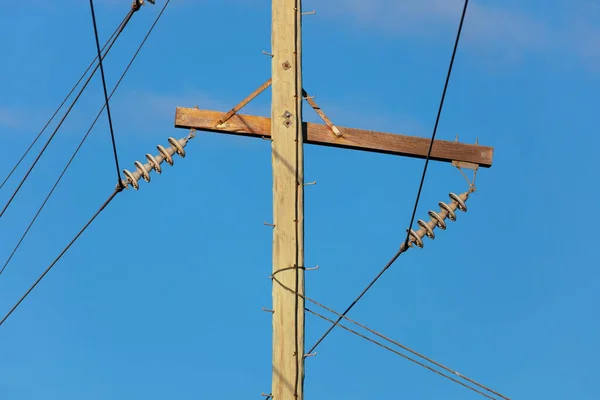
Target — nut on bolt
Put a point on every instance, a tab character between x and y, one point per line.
286	65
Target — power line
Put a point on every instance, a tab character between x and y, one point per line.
102	207
374	332
389	264
437	120
58	109
84	138
405	244
127	19
110	124
404	356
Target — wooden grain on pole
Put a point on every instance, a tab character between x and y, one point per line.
288	200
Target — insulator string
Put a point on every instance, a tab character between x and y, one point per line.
438	219
458	202
154	162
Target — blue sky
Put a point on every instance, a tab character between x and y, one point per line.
162	296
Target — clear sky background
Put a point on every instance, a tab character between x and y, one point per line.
162	296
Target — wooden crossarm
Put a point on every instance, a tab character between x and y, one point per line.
357	139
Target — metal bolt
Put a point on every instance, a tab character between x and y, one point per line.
286	65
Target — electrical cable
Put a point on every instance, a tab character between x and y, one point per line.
58	109
84	137
298	89
404	356
404	245
110	124
127	19
62	253
396	343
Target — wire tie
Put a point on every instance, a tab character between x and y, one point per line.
310	354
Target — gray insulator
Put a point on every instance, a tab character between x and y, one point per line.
154	162
438	219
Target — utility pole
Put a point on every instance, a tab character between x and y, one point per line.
288	134
288	200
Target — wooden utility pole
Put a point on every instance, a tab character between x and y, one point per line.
288	134
288	200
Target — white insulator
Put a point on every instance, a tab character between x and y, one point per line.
438	219
460	202
440	223
154	162
427	227
416	239
448	210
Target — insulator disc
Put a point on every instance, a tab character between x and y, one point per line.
175	143
461	204
131	179
155	164
440	221
165	154
450	211
416	238
142	170
427	228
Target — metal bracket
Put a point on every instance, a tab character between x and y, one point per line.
287	121
465	165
